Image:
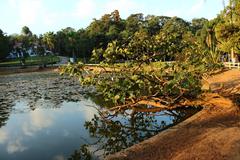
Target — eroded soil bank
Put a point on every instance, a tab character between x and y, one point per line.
212	134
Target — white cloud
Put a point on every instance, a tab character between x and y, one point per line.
38	120
66	133
50	19
15	146
3	136
29	11
13	3
125	7
33	13
85	9
59	157
41	17
172	13
197	7
27	130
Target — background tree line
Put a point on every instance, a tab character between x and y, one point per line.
171	36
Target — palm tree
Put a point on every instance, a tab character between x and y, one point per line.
49	40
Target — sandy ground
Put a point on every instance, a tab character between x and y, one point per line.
211	134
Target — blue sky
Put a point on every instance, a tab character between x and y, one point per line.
52	15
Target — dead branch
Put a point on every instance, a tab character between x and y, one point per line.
206	100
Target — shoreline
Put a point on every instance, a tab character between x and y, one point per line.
201	136
213	133
16	70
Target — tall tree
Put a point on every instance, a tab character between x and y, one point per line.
227	31
4	45
152	24
49	40
134	22
26	31
197	24
170	41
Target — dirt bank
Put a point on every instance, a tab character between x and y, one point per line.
212	134
29	69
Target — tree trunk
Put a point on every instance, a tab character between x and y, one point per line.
232	55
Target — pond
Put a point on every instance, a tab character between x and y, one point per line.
51	117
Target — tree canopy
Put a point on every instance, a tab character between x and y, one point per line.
4	45
227	30
141	41
195	48
170	35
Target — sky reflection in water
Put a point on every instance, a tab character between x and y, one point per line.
44	116
51	133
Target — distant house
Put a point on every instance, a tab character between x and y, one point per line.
18	51
17	45
47	52
235	58
31	52
12	55
228	57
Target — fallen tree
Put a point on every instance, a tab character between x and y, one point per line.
141	81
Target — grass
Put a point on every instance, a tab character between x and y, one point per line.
29	61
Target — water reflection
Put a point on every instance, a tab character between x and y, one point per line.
4	115
3	136
15	146
47	87
45	116
117	132
45	133
36	90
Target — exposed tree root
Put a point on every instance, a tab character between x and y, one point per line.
204	100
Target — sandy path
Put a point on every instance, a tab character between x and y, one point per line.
212	134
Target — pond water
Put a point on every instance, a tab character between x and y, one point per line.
46	116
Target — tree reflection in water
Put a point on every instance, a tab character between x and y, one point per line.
115	132
82	154
4	115
37	90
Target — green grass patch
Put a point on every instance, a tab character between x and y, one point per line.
37	60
